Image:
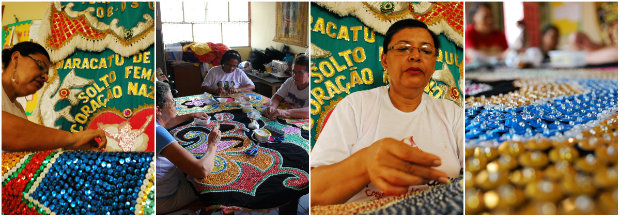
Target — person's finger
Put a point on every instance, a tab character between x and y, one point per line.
104	139
389	189
411	154
425	172
400	178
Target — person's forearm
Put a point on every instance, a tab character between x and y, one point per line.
209	90
18	134
298	113
208	160
275	102
336	183
246	88
177	120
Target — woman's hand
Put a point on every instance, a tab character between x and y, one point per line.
393	166
221	91
86	139
214	136
199	115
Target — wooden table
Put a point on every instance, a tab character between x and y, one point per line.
270	81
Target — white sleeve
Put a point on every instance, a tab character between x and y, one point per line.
245	80
209	79
284	89
458	129
337	137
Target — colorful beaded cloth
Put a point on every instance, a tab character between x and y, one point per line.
77	182
276	175
444	199
549	147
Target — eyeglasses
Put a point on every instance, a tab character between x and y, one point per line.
42	65
403	49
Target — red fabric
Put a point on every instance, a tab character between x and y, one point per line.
495	40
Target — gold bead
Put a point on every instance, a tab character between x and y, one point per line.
511	148
538	144
475	164
579	205
490	180
578	184
543	190
606	177
474	202
525	176
469	152
534	159
560	170
564	153
587	164
488	153
607	153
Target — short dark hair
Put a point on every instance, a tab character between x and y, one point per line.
408	23
550	27
25	48
475	6
230	54
161	90
302	59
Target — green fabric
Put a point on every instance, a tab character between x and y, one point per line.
330	84
129	84
127	15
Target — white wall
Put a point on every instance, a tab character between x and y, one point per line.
263	28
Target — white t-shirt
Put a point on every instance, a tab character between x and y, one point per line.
10	107
364	117
217	74
292	95
167	173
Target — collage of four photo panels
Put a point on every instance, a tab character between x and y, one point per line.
310	108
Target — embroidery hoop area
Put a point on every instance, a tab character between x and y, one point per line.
276	175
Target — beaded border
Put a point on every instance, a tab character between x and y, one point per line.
16	167
147	187
38	181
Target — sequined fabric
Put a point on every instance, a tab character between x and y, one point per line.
275	176
548	148
444	199
79	182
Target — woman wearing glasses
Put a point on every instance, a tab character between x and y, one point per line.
227	72
392	139
24	71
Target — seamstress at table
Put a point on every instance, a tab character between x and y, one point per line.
173	191
227	71
392	139
294	91
24	71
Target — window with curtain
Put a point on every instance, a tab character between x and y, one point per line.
202	21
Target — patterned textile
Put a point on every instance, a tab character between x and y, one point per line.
347	39
275	176
103	74
77	182
549	147
444	199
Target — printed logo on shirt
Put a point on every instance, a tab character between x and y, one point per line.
296	102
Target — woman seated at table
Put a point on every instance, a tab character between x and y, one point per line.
294	91
227	71
367	150
173	190
24	71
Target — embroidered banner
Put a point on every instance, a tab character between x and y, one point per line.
103	75
346	50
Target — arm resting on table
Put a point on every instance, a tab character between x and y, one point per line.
22	135
211	91
246	88
328	188
297	113
184	160
177	120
